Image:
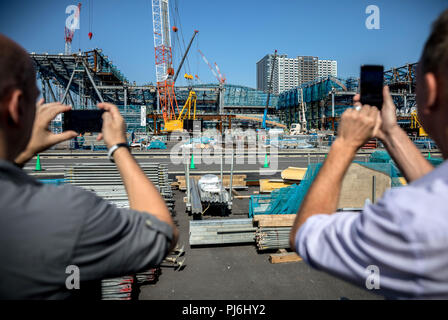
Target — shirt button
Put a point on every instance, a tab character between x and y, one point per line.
149	223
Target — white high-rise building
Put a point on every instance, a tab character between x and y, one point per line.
292	72
327	68
286	74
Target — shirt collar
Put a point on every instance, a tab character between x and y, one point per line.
9	171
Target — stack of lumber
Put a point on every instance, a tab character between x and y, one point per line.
239	181
268	185
274	220
291	175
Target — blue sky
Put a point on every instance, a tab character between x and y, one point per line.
235	34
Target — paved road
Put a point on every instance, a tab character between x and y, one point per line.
231	272
239	272
252	166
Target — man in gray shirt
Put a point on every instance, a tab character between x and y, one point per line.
44	229
397	246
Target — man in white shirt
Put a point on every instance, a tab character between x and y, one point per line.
403	238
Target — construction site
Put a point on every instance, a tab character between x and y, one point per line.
233	164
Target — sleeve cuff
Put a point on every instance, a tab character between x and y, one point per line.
158	225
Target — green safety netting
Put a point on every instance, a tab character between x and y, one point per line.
288	200
435	162
284	200
384	157
312	91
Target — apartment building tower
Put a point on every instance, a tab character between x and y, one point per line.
327	68
291	72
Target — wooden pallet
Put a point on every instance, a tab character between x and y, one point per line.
274	220
284	256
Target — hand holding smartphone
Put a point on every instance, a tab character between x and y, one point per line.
82	121
372	85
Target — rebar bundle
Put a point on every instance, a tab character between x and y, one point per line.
268	238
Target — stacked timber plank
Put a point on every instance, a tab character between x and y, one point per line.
291	175
268	185
274	220
238	182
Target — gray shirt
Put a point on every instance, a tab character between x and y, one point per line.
46	228
397	247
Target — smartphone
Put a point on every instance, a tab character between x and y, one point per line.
83	121
372	85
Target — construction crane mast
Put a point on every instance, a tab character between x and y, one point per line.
69	33
164	65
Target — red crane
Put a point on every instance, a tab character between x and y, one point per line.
219	76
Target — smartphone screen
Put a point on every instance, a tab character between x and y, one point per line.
83	121
372	85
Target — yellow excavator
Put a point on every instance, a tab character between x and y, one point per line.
178	124
415	124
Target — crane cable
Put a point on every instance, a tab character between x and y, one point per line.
176	10
197	58
90	17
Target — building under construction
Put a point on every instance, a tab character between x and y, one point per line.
319	104
86	78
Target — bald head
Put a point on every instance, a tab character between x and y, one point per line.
16	69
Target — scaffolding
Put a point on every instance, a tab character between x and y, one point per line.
325	99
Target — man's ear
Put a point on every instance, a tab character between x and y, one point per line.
13	106
430	85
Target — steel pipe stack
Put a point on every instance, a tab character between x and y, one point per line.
117	288
105	181
222	231
268	238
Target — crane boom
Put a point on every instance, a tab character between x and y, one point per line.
209	65
222	79
185	55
